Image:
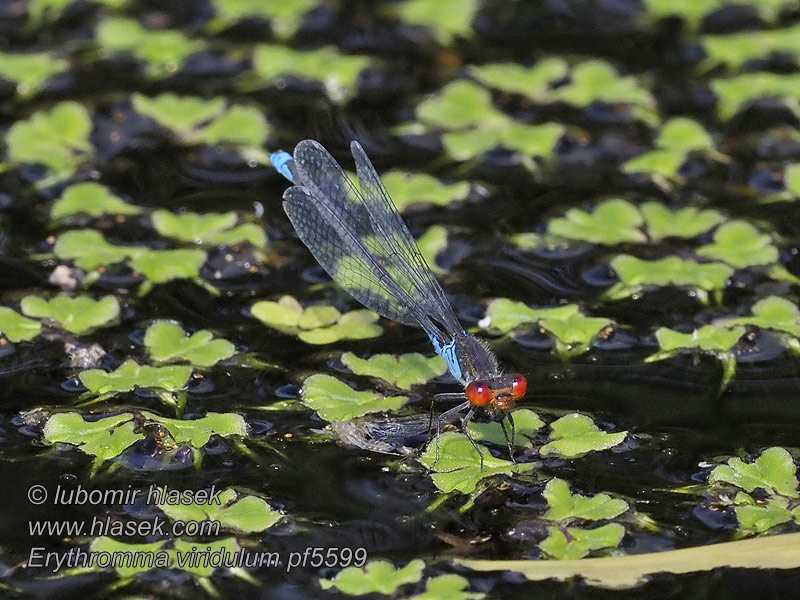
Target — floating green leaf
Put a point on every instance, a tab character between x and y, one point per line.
741	245
431	243
526	424
458	105
130	375
573	331
91	199
200	121
708	338
734	93
17	328
735	49
339	73
598	81
76	315
695	11
447	19
316	324
456	465
58	139
534	82
687	223
334	400
246	513
284	17
635	274
162	266
581	541
30	71
773	471
211	228
575	435
103	439
769	313
448	587
677	138
408	189
612	222
88	249
762	516
167	342
402	371
377	576
164	50
196	432
564	505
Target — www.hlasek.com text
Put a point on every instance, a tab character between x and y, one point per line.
197	557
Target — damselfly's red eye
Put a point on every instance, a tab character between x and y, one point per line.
479	393
519	385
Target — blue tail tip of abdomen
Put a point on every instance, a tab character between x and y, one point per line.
282	161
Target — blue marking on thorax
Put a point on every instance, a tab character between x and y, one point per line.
448	353
283	163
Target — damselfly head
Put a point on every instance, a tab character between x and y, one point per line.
500	393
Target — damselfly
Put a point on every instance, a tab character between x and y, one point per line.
360	239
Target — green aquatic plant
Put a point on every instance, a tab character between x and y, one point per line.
597	81
334	400
92	199
211	229
103	439
773	471
163	266
88	249
740	245
572	330
284	18
772	474
710	339
735	93
526	424
448	20
239	512
736	49
168	554
199	121
166	382
168	342
337	72
636	274
316	324
575	435
772	312
377	576
163	50
76	315
16	328
198	432
473	126
686	223
534	82
449	586
575	543
563	505
456	466
695	11
676	139
402	371
31	71
410	189
57	139
612	222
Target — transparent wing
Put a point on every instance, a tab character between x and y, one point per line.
361	240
